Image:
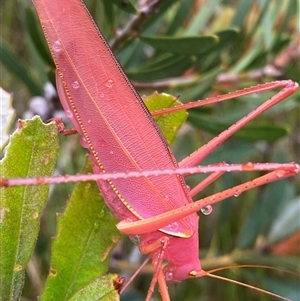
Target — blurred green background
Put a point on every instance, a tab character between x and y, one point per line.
193	49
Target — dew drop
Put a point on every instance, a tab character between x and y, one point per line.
111	152
75	85
169	276
101	95
136	240
53	272
18	267
280	173
84	143
248	166
35	215
174	226
109	83
2	214
56	46
207	210
89	121
69	114
101	214
237	193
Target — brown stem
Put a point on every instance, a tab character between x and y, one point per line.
134	24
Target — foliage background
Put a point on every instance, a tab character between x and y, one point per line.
258	42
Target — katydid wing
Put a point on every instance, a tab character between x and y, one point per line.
89	102
92	104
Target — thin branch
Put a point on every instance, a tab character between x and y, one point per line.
224	78
134	24
167	83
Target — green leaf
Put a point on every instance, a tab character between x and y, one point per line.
14	64
286	223
184	8
227	36
86	236
165	65
192	45
37	37
241	11
159	14
202	85
274	198
32	151
287	286
125	5
100	289
202	17
168	123
253	132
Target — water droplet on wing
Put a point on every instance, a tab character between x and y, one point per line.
84	142
56	46
69	114
174	227
109	83
75	85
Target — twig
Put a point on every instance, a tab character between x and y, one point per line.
224	78
167	83
134	24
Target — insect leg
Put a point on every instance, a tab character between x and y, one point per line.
162	220
157	264
207	181
197	156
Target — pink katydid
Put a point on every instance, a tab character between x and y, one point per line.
161	223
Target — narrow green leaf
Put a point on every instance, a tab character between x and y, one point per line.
227	37
274	198
287	286
125	5
104	13
159	14
101	289
246	60
203	84
201	18
32	151
180	13
37	37
192	45
253	132
14	64
286	223
241	11
267	21
86	236
166	66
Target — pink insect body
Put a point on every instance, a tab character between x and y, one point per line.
121	135
119	131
